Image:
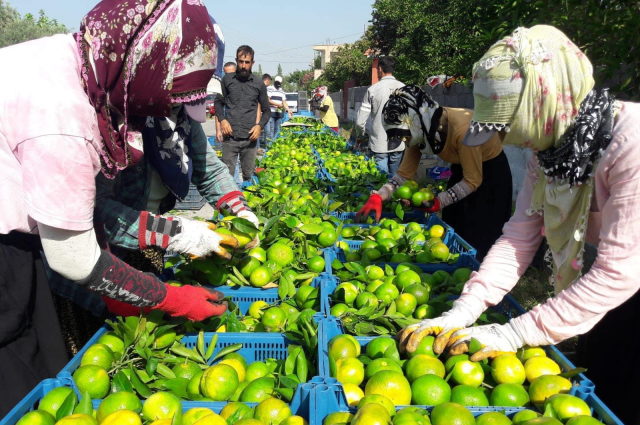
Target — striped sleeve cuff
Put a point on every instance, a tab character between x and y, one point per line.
155	230
232	203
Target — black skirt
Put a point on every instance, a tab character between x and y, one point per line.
609	352
31	345
480	217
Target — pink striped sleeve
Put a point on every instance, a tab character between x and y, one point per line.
615	275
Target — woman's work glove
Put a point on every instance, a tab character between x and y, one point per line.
119	308
250	216
494	339
192	302
373	204
184	236
441	327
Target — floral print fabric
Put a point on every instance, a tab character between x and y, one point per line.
140	56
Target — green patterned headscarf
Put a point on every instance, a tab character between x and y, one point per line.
531	84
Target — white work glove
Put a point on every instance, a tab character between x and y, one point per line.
494	339
249	215
442	327
199	239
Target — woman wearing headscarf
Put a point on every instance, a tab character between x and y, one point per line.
478	199
582	184
71	107
320	96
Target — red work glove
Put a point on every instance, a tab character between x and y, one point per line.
192	302
123	309
431	206
374	203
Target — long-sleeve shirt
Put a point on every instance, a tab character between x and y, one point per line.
374	100
120	201
239	104
470	158
613	225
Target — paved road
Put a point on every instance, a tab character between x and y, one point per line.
209	127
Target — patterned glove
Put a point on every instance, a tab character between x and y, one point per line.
495	340
249	215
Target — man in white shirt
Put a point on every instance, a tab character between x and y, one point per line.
278	104
374	100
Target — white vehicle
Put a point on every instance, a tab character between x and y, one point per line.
292	101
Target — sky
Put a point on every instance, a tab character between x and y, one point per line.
282	33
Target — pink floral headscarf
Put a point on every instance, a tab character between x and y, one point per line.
140	56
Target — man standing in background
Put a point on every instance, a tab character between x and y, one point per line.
374	100
242	94
278	104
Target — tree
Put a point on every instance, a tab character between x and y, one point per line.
317	62
297	80
347	63
433	37
279	71
14	29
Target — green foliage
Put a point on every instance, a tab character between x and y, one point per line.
431	37
347	63
279	71
14	29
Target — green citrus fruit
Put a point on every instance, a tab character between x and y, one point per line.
258	253
420	292
37	417
258	390
52	401
366	299
390	384
346	293
507	369
511	395
327	238
425	311
539	366
493	418
99	355
423	364
219	382
466	372
451	413
233	407
186	370
349	370
469	396
406	304
113	341
316	264
377	347
274	319
523	416
81	419
260	276
336	418
430	390
581	420
118	401
256	309
92	379
339	309
193	415
425	347
568	406
272	411
281	254
387	293
342	347
546	386
378	399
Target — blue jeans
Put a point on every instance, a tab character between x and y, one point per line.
388	162
272	129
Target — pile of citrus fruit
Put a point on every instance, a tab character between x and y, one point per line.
377	373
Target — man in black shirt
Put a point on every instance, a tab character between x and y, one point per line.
237	109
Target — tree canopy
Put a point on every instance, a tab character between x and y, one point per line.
16	29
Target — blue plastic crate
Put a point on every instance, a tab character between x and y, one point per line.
31	400
330	328
193	201
329	283
455	243
432	221
330	398
409	216
257	346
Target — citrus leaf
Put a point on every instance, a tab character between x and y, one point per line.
67	406
152	365
245	226
549	412
226	350
285	393
290	362
301	366
200	343
311	229
212	346
474	346
240	277
289	381
140	387
85	407
120	383
233	324
400	212
183	351
269	223
573	372
364	328
236	416
178	386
